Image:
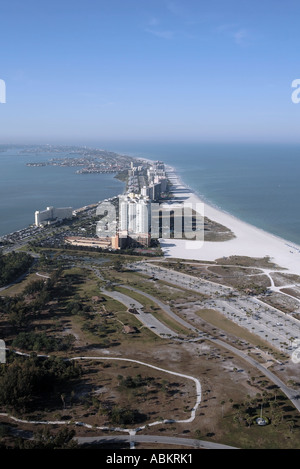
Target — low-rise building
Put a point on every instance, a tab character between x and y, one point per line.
104	243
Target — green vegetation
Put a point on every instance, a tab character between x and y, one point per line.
133	382
218	320
13	265
65	313
24	308
38	342
282	422
23	380
155	310
122	175
45	439
125	416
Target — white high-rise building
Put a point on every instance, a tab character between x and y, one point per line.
123	213
143	216
134	214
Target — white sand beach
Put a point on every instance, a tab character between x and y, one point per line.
249	240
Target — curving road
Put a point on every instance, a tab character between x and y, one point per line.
147	319
160	440
293	395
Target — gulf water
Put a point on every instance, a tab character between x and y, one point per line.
24	189
258	183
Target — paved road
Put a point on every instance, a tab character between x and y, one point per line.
164	307
270	324
130	431
146	318
159	440
293	395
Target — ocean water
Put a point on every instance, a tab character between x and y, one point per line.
23	189
258	183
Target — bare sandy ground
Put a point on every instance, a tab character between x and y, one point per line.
249	240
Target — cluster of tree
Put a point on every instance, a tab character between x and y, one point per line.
133	382
75	306
270	405
24	379
13	265
102	329
40	341
125	416
130	251
17	310
43	439
20	311
35	286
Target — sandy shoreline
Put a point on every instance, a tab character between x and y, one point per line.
249	241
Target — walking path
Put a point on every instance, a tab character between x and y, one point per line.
119	429
293	395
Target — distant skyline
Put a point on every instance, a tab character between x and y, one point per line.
154	70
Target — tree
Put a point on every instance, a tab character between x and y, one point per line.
44	439
222	404
277	418
249	420
118	265
13	265
62	396
34	286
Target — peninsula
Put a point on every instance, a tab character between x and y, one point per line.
196	339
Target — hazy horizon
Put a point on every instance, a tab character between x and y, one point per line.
165	70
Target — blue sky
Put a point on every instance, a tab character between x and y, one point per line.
149	70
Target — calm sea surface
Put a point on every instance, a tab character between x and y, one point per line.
23	189
256	183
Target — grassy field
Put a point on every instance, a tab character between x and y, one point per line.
100	396
103	324
282	432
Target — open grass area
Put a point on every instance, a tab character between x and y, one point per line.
239	428
104	319
116	393
263	262
237	277
128	394
159	288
